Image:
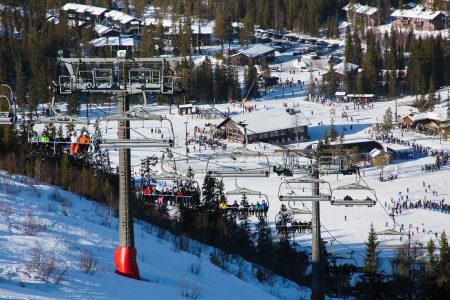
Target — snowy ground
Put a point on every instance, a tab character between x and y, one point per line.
350	234
84	225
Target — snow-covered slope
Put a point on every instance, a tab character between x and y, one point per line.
68	226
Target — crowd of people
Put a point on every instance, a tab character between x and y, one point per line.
176	195
244	207
52	141
286	224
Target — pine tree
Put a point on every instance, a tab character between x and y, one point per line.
387	120
251	81
333	133
444	259
371	260
326	140
208	193
159	33
246	34
332	80
147	46
222	27
349	47
431	263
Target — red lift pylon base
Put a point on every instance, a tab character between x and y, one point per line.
126	264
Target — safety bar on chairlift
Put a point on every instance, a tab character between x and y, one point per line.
238	173
106	144
342	202
309	198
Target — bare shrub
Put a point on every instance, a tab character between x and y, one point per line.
180	244
56	196
195	268
51	207
106	215
44	265
32	225
88	262
11	189
190	289
5	209
35	191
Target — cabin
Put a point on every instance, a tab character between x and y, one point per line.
283	126
363	146
202	34
361	99
421	120
379	158
418	18
257	53
186	109
81	15
363	13
115	43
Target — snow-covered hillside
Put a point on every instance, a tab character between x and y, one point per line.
63	227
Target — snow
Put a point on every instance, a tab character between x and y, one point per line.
81	8
165	270
115	41
266	120
418	12
119	16
362	9
256	51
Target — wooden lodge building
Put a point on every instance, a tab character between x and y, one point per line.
418	18
367	14
272	126
257	53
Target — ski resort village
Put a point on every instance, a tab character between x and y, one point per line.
224	149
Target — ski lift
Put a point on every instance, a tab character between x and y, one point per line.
236	168
300	189
53	142
293	163
145	141
182	194
8	109
286	221
348	200
334	164
258	209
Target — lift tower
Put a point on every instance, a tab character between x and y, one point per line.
121	77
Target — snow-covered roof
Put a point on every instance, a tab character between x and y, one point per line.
256	51
81	8
261	121
205	28
101	29
362	9
119	16
185	106
340	67
167	22
428	115
419	12
115	41
375	152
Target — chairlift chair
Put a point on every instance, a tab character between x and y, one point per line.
333	164
145	142
237	171
292	164
8	108
349	200
292	196
240	191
